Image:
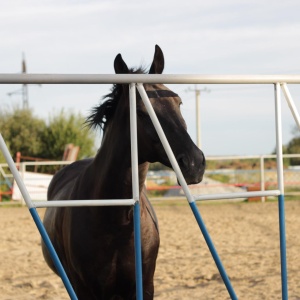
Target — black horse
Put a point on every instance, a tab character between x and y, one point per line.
96	244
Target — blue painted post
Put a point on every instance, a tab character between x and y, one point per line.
53	254
138	252
213	251
284	280
37	219
280	180
185	188
136	193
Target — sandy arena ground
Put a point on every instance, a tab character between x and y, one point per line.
245	235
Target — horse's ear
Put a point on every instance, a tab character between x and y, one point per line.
120	65
158	63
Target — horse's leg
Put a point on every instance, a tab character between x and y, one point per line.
150	236
149	268
49	224
81	291
148	285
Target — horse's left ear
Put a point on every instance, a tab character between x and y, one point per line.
120	65
158	63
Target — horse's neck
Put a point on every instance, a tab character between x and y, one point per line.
112	167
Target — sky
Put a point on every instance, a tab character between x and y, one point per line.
197	37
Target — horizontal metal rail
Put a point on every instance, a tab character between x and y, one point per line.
45	163
236	195
145	78
228	157
232	157
68	203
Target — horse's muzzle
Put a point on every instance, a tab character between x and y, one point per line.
192	166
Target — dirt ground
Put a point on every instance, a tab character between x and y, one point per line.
246	237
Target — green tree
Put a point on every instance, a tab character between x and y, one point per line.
2	159
32	136
65	128
21	131
293	147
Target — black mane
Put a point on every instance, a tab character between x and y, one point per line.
103	113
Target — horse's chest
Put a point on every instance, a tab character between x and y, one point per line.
108	254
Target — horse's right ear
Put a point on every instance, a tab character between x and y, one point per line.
120	66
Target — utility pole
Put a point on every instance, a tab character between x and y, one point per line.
198	120
24	86
24	90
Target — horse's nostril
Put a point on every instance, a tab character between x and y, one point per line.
203	160
182	161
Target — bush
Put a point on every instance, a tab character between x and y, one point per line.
31	136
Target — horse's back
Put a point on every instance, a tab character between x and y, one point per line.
63	181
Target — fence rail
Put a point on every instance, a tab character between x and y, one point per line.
280	83
145	78
262	178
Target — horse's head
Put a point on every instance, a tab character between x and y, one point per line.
166	104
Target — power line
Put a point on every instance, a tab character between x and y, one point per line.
24	90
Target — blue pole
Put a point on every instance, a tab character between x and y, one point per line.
138	252
213	250
284	281
53	253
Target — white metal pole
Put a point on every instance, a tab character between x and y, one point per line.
198	121
16	173
236	195
136	193
262	176
164	142
134	146
37	219
86	202
22	169
186	190
145	78
281	209
280	179
291	103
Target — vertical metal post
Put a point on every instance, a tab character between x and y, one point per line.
262	177
198	118
198	121
37	219
280	180
136	193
